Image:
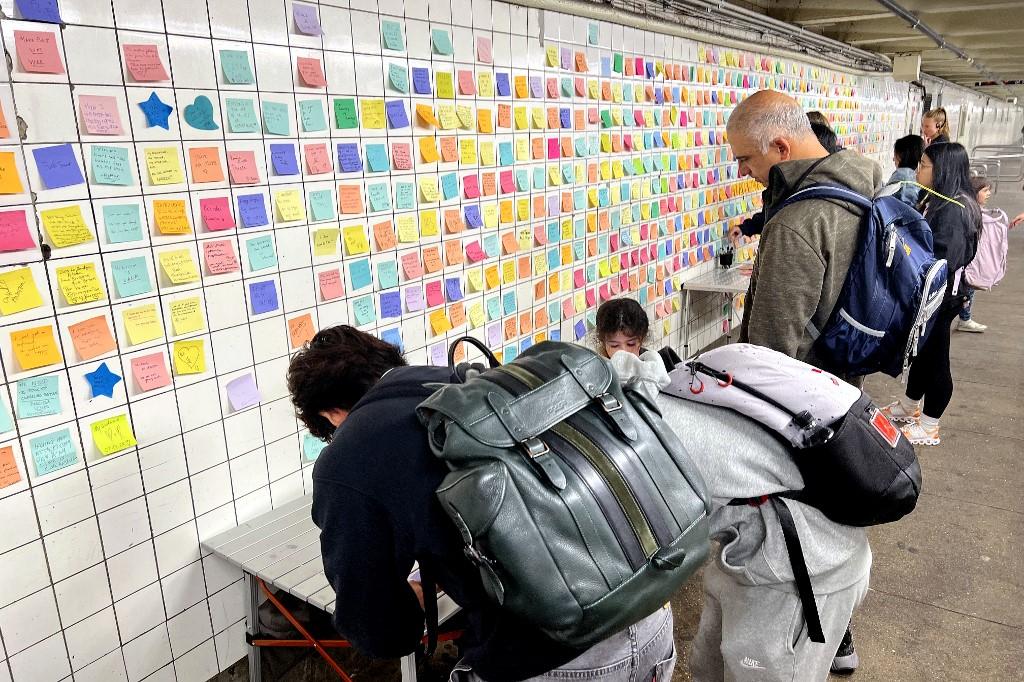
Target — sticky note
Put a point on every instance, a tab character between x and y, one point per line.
38	397
372	113
414	299
364	310
39	10
311	447
242	392
421	81
58	166
102	381
142	324
220	257
350	199
189	357
10	180
442	41
205	164
37	51
283	159
122	223
359	273
288	205
321	205
242	168
9	473
301	330
164	166
305	19
345	116
99	115
379	196
52	452
390	305
263	297
236	68
143	62
79	283
171	216
252	210
311	72
157	112
216	213
391	35
275	118
179	266
484	52
150	371
261	252
355	240
92	338
397	115
439	322
35	347
318	160
187	315
199	114
110	165
330	284
18	291
398	76
241	115
311	115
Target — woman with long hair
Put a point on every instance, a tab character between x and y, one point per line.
952	211
935	126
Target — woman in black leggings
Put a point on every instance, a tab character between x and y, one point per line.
955	218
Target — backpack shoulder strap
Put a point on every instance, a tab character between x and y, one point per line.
829	192
799	565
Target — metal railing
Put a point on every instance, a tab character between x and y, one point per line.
1008	160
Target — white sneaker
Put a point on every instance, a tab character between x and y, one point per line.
918	434
970	326
897	413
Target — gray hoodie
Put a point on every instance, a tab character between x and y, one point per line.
804	253
738	458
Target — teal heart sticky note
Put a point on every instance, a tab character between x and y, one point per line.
199	114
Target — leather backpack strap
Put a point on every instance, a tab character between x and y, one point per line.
429	587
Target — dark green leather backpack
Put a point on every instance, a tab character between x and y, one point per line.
578	504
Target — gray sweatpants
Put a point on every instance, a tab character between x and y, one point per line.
757	634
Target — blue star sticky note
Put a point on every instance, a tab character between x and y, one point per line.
102	381
156	111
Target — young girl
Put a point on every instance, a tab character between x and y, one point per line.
906	154
935	126
990	262
955	219
622	325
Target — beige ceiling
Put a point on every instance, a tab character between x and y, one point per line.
990	31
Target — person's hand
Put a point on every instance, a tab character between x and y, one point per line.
417	587
1017	221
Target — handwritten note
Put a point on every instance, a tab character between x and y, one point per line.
122	223
53	452
171	216
113	434
179	266
37	51
100	115
66	226
9	473
143	62
164	166
242	168
18	291
150	371
241	115
187	315
216	212
220	256
236	68
205	164
110	165
306	20
131	276
263	297
35	347
142	324
79	283
242	392
261	253
38	396
189	357
301	330
92	338
58	166
311	72
330	284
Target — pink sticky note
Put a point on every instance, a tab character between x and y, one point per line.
471	186
638	116
591	297
401	156
220	257
552	88
466	84
568	309
411	266
435	294
143	62
484	53
605	292
540	234
623	282
311	71
579	279
14	234
242	168
318	159
414	298
553	148
331	286
613	242
99	115
150	371
37	51
474	252
508	183
216	212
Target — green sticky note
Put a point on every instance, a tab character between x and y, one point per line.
122	223
593	34
405	196
399	77
617	63
391	35
261	253
387	274
275	118
242	116
321	204
345	116
110	166
493	308
52	452
312	446
311	114
566	87
236	67
38	396
606	119
364	309
131	276
442	41
6	423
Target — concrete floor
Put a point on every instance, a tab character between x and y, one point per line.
947	585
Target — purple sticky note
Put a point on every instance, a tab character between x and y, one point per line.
349	160
263	297
566	58
580	329
565	117
397	116
650	69
503	84
282	156
438	355
493	335
421	80
252	210
536	87
306	20
58	166
414	298
473	218
390	304
39	10
453	288
554	207
243	393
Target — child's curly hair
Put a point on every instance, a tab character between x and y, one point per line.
622	315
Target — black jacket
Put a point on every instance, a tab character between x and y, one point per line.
955	231
374	502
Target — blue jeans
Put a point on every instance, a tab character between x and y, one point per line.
965	312
644	652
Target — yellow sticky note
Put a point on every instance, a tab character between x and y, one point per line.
170	216
373	113
288	205
189	357
428	189
79	283
18	291
508	272
10	181
429	225
467	151
113	434
505	214
179	266
164	166
523	211
477	317
428	149
475	278
487	155
493	277
552	54
35	347
519	116
356	242
465	116
407	232
593	89
539	119
439	322
554	177
445	84
490	212
66	226
325	242
187	315
522	149
485	84
447	117
142	324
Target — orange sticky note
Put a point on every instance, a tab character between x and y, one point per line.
457	314
35	347
504	116
384	235
205	163
300	330
425	113
4	131
453	221
318	159
9	474
485	121
92	337
37	51
242	167
453	252
10	181
170	216
509	242
311	72
428	149
432	259
449	149
143	62
350	199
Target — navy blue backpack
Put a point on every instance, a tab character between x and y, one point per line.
893	288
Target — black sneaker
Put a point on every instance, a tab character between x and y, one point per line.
846	659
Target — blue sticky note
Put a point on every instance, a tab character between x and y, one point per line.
508	302
379	196
606	69
554	259
491	245
236	67
580	330
122	223
110	165
40	10
421	81
102	381
525	343
442	41
377	158
391	35
453	289
473	217
397	115
58	166
321	204
394	337
510	353
568	174
311	115
261	252
131	276
157	113
38	396
199	114
505	157
252	209
52	452
283	158
539	179
493	308
405	195
364	310
275	118
399	77
450	185
554	313
312	446
387	274
241	115
522	181
6	422
391	304
593	33
359	273
349	160
502	83
263	297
